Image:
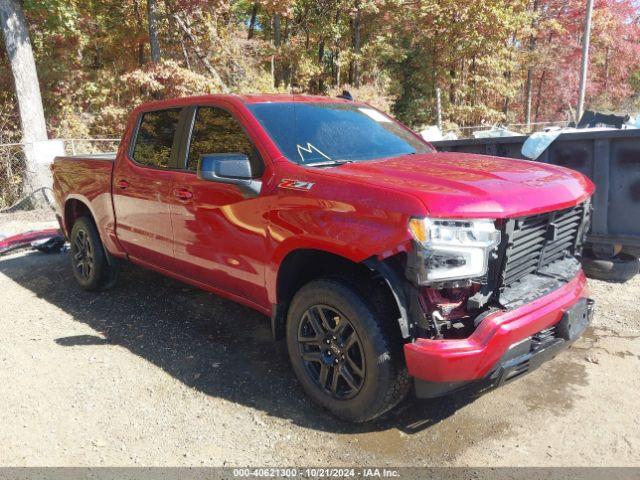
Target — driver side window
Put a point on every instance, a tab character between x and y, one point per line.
216	131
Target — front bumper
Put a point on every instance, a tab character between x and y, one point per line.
498	349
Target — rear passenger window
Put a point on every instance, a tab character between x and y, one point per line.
216	131
154	141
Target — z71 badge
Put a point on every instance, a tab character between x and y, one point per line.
295	184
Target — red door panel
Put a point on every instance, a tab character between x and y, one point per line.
142	188
220	236
143	214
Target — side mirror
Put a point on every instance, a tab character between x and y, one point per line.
231	168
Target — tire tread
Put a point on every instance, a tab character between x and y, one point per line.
384	336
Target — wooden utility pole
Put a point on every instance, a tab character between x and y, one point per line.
27	89
585	60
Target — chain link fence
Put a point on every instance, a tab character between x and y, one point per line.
521	128
12	164
80	146
12	168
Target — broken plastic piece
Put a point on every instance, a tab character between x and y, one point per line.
25	240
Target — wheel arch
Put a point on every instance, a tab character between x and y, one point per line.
74	208
303	265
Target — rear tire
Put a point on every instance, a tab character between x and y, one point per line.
347	358
91	267
620	268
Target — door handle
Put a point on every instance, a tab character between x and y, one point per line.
183	194
123	184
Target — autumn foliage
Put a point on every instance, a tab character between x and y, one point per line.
486	57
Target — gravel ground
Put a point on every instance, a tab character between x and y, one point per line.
157	373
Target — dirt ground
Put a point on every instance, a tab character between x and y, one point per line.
157	373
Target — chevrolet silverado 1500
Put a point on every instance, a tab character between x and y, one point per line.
384	264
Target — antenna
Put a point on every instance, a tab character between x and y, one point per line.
346	95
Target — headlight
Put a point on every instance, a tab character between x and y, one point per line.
453	249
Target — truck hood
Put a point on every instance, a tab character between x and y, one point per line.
469	185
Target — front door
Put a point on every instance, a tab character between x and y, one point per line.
142	189
219	229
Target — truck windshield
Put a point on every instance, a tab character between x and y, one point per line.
328	133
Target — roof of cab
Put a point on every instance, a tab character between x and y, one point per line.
283	97
247	99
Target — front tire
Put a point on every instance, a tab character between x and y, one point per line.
347	358
89	262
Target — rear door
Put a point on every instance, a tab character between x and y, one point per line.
220	229
142	188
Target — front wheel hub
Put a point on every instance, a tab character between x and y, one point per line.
331	351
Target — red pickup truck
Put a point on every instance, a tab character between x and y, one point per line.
383	263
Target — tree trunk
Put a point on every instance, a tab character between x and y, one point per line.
201	56
508	75
252	21
528	97
321	64
539	96
474	83
452	86
277	41
355	65
606	72
152	14
185	53
529	85
27	89
277	37
140	25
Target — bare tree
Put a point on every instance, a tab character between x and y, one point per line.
27	89
152	17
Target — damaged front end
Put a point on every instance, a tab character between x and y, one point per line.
461	271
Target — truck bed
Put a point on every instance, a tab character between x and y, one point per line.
87	179
110	156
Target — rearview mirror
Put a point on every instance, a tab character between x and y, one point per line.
232	168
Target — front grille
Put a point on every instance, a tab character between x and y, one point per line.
536	241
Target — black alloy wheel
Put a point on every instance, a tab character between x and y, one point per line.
92	266
83	260
345	349
331	351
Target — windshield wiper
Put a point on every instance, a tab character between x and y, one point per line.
328	163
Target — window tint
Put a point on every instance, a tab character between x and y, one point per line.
155	138
216	131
